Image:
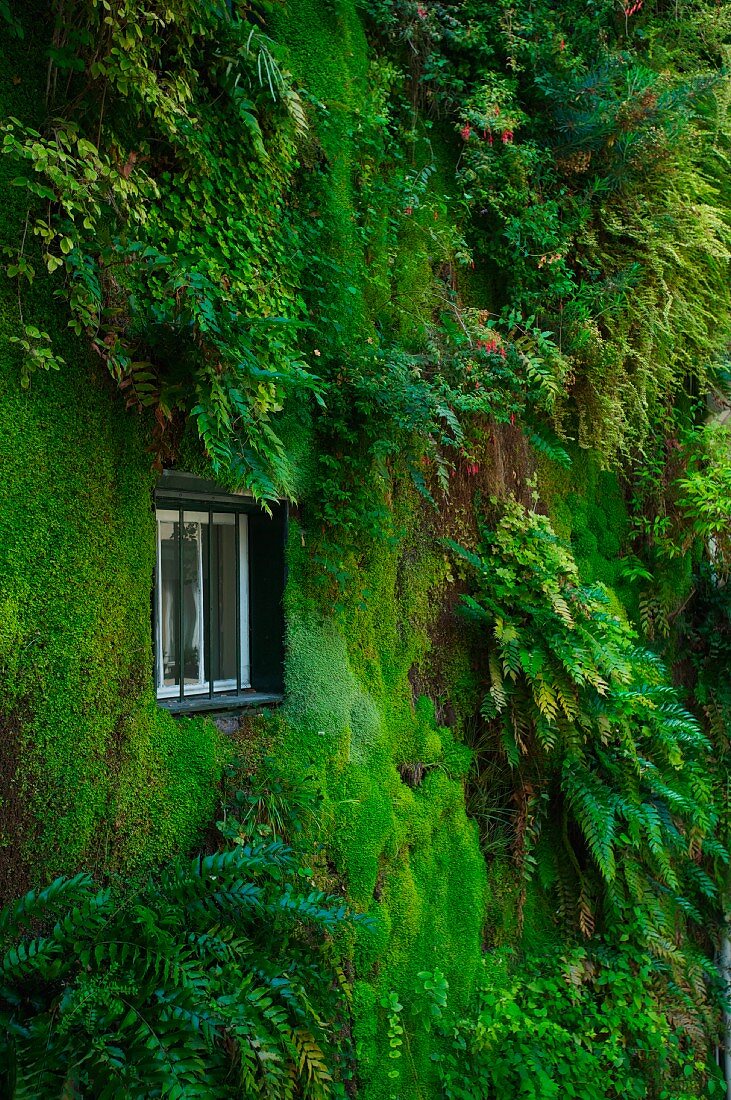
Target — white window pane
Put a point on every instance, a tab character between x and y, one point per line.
168	675
223	633
244	599
193	623
195	517
202	620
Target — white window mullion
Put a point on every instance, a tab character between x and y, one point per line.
200	609
244	600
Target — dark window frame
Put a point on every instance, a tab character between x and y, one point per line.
265	558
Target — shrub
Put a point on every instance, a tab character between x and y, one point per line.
216	978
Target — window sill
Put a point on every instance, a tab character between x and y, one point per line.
221	703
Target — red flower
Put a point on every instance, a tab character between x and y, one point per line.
466	131
506	137
409	210
421	11
492	346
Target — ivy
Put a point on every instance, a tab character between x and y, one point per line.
184	262
180	263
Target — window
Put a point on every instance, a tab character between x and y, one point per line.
218	596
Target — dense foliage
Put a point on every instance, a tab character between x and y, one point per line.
181	263
444	254
184	266
602	1037
616	770
594	172
216	978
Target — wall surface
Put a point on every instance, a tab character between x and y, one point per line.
383	679
92	773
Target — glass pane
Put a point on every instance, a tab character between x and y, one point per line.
223	609
244	599
197	614
193	619
168	605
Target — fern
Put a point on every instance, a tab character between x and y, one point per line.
601	727
213	973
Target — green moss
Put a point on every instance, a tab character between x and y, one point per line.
109	779
328	54
101	775
587	507
77	538
408	856
166	788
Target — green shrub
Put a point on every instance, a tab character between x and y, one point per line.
585	1025
618	798
217	978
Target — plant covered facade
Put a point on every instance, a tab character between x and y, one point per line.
377	351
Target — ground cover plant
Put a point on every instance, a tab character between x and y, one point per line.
216	977
603	1036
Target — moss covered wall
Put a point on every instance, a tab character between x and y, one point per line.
92	773
394	821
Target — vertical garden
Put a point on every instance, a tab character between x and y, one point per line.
452	280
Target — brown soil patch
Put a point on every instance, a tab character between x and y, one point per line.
17	823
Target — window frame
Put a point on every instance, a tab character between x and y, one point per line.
184	493
210	687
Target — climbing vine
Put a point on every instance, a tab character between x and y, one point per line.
180	264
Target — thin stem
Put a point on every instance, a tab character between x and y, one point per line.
20	256
101	116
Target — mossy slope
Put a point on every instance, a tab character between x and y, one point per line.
393	818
